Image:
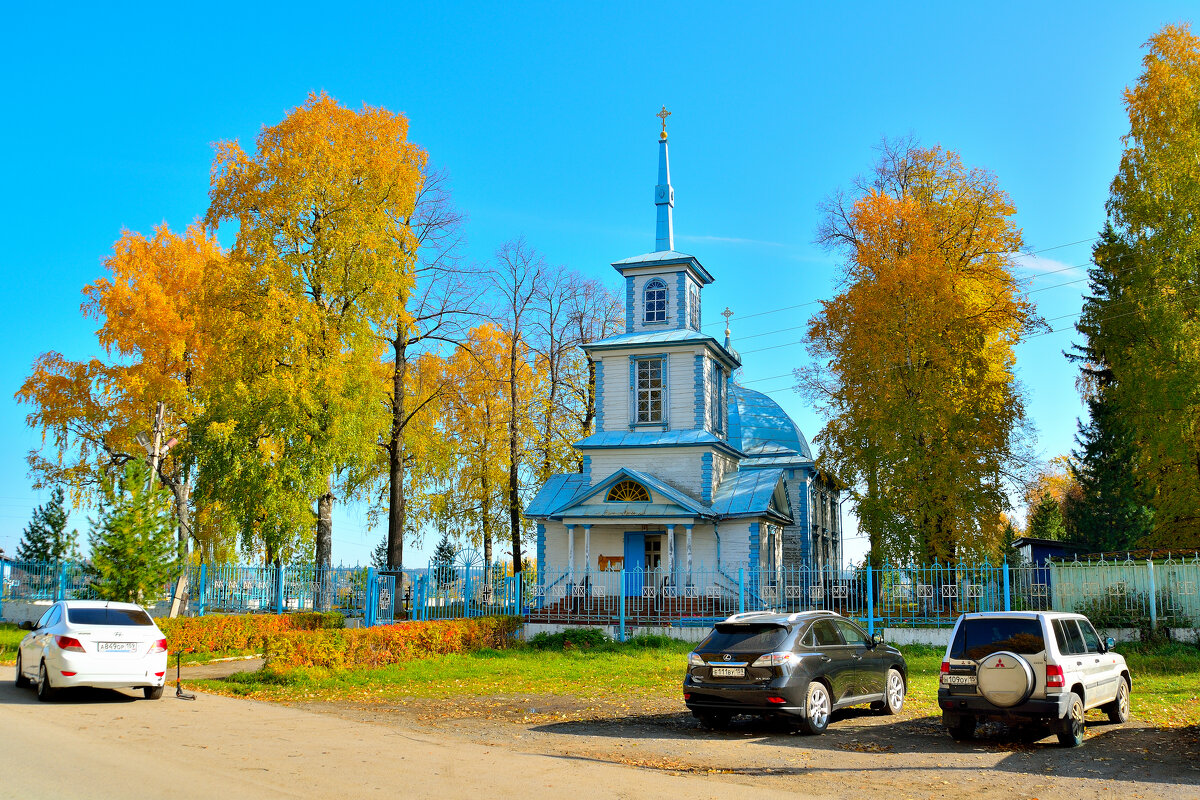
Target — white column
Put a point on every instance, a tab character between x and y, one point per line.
688	530
570	554
671	552
587	550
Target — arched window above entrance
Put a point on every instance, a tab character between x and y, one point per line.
628	492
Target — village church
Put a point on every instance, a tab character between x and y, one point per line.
688	477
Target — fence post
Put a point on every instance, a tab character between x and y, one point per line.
370	598
870	602
1007	589
203	590
621	636
1153	598
279	588
741	590
60	592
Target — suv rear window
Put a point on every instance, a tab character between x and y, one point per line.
108	616
745	638
979	638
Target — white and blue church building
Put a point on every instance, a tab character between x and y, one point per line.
688	477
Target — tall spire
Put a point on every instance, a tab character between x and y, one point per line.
664	195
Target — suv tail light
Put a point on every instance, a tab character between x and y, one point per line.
1054	676
68	643
159	646
694	659
945	672
774	660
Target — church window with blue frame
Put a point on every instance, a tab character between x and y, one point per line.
716	400
694	309
655	300
650	390
628	492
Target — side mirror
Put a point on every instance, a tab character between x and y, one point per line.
26	625
1109	644
876	639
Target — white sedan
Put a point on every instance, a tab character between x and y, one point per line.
93	643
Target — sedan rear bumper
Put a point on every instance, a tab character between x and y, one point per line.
106	673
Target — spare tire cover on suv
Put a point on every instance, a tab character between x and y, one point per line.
1005	679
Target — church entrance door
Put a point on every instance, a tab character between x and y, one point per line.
635	563
643	560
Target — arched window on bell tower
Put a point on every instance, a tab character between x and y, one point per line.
654	301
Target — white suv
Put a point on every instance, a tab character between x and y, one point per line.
1038	670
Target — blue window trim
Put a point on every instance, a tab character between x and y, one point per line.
656	284
664	423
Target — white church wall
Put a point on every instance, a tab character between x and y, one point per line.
681	391
678	468
722	465
616	392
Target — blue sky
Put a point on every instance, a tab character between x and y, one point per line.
543	113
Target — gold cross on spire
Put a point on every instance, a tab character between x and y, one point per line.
663	116
727	314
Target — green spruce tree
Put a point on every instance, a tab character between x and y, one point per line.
1046	520
45	538
1113	511
443	560
133	539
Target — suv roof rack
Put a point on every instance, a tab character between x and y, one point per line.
818	612
748	614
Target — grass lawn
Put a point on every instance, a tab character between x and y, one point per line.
10	637
1166	679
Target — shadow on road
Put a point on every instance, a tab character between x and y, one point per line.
1130	752
11	695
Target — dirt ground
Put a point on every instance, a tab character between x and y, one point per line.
906	756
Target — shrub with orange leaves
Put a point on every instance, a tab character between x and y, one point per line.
387	644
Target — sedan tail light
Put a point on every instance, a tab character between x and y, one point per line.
68	643
159	646
774	660
1054	676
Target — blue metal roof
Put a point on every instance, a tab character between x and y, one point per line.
657	438
663	258
748	494
565	494
760	427
555	493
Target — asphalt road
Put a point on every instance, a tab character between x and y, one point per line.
100	744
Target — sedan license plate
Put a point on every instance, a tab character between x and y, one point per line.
729	672
116	647
960	680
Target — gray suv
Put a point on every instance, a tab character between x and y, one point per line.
1038	671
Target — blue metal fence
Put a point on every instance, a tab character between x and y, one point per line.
1125	594
1128	593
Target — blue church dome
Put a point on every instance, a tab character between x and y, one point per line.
761	428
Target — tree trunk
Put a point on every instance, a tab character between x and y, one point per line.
396	499
325	549
485	512
514	503
182	490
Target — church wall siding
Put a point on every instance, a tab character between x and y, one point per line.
723	465
678	468
681	394
615	371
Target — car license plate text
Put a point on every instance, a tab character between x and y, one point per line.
729	672
116	647
960	680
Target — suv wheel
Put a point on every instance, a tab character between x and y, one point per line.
893	695
1070	727
961	726
1118	709
713	720
817	708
